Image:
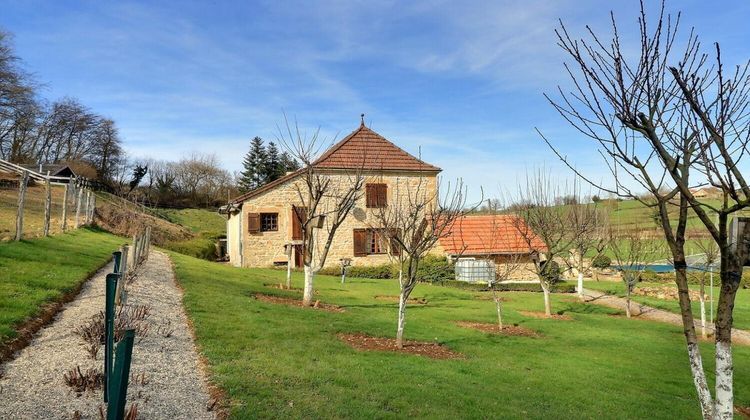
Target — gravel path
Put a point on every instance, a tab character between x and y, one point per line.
646	312
32	384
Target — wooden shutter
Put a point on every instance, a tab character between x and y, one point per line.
360	242
299	214
253	222
371	195
382	195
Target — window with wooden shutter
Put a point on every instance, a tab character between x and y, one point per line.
360	242
253	222
376	195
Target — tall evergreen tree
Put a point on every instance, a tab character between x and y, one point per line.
274	168
288	162
253	175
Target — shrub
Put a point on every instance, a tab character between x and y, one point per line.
601	261
507	287
433	268
551	271
383	271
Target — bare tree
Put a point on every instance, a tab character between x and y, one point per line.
667	121
414	221
325	198
588	223
509	263
633	248
545	227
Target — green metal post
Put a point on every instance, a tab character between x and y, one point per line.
120	377
109	330
117	256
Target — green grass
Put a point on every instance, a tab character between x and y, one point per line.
279	361
39	271
207	225
741	305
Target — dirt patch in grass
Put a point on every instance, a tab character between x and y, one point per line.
282	286
393	298
297	302
743	411
480	296
510	330
542	315
365	342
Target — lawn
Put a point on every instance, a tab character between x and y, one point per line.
39	271
278	361
741	305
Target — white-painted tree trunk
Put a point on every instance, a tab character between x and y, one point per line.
289	275
699	380
307	297
547	303
627	304
704	330
499	308
724	381
401	319
580	284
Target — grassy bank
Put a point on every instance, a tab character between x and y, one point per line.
39	271
206	225
278	361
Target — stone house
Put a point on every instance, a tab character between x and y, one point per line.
263	222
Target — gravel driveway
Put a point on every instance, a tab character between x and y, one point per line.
169	384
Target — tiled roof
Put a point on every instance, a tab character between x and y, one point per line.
366	149
362	149
489	234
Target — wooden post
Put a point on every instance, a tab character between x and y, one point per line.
64	224
92	208
47	205
88	204
21	202
79	198
136	249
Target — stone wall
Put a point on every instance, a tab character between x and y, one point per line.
267	248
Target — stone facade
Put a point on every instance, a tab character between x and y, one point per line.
267	248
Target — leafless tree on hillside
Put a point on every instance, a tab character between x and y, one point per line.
542	222
414	221
666	121
325	200
633	249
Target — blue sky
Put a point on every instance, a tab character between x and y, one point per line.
463	83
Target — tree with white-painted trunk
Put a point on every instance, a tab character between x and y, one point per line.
544	226
705	269
589	225
669	121
633	248
507	264
324	199
412	223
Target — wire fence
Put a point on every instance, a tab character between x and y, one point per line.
31	208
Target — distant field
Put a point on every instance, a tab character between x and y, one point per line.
33	221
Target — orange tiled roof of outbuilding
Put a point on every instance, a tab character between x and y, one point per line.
489	235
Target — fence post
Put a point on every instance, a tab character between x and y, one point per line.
64	224
78	205
109	330
93	208
88	203
123	274
135	251
21	202
118	398
117	257
47	205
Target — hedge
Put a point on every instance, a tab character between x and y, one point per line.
431	269
508	287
